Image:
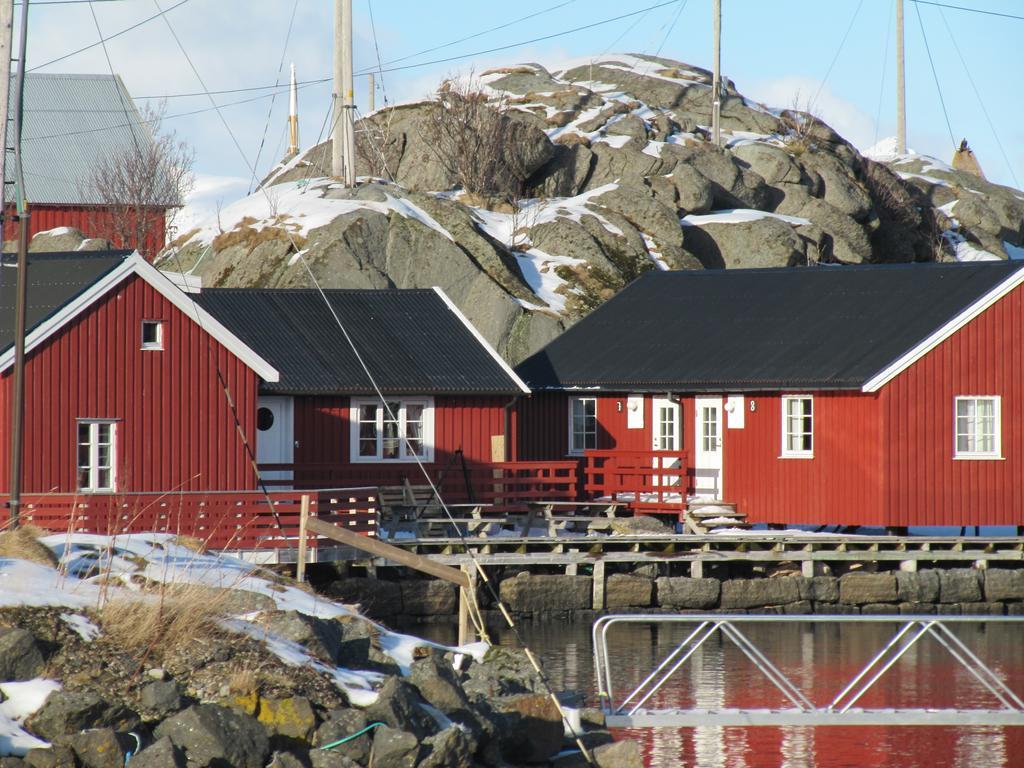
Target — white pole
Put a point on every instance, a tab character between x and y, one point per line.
337	129
371	101
293	117
348	102
901	84
6	26
716	100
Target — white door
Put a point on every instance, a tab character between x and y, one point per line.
666	436
275	439
707	460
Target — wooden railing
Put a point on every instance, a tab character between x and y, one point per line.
222	520
646	481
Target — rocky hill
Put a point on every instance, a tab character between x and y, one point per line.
531	195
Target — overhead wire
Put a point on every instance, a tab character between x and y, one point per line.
835	58
117	85
376	48
981	11
981	101
273	98
935	75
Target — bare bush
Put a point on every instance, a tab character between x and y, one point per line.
138	188
801	124
23	543
472	137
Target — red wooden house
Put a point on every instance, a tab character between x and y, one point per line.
146	394
869	395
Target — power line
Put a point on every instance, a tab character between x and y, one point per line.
103	40
117	82
969	10
935	75
839	50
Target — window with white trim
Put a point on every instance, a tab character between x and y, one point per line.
401	431
798	426
582	424
152	334
977	428
96	444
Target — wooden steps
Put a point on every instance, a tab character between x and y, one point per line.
704	515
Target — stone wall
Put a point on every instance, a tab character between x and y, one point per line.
953	591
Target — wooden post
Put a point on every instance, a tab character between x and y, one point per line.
599	585
300	568
466	633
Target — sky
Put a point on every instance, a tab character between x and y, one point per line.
835	56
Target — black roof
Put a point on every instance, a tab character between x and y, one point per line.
760	329
412	342
55	279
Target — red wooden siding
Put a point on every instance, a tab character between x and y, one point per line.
175	428
925	484
842	484
93	221
461	422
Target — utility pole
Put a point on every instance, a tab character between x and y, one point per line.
293	116
18	374
343	145
716	85
6	28
901	84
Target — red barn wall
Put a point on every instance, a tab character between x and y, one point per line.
925	484
461	422
175	429
842	484
93	221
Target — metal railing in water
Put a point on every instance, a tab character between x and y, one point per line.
630	711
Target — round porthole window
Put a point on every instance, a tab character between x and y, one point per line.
264	419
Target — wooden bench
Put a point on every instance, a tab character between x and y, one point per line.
416	509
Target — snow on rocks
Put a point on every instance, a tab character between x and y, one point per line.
19	701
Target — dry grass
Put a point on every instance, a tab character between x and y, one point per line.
244	682
183	238
23	544
510	71
246	235
190	542
164	620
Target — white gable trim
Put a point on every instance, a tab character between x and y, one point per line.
137	265
483	342
899	365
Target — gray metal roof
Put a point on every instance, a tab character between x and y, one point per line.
54	279
411	341
760	329
70	122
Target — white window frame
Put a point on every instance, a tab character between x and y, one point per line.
791	453
404	457
575	450
997	452
159	343
94	465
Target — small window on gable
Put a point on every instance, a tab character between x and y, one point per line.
978	428
798	427
152	334
582	424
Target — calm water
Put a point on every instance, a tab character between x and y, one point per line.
820	660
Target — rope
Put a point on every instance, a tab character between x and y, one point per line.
935	75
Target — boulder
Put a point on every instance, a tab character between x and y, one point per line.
919	587
451	748
56	757
394	748
160	698
160	754
101	747
291	718
565	173
756	241
435	679
530	727
683	592
823	589
504	671
757	593
211	735
58	240
321	637
624	591
619	754
960	585
639	206
340	724
693	191
865	588
20	655
1004	585
399	704
67	712
527	593
429	597
285	760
